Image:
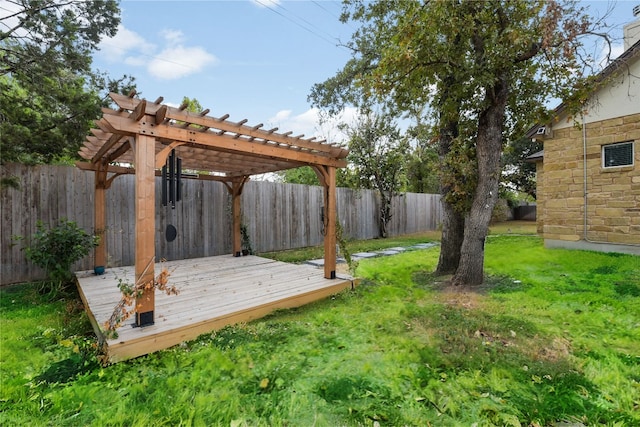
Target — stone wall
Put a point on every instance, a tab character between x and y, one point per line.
613	194
540	210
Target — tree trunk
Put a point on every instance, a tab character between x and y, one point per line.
453	220
385	214
451	242
488	151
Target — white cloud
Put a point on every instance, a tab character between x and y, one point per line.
280	116
173	37
305	123
176	60
617	50
309	123
607	54
266	3
179	61
123	44
135	61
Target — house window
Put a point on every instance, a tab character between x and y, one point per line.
620	154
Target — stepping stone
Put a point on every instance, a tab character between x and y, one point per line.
388	252
423	246
361	255
397	249
320	262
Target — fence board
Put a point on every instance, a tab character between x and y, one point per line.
278	216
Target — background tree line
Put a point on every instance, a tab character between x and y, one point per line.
390	161
50	94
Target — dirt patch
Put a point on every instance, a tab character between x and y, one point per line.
559	349
465	296
461	297
342	268
468	297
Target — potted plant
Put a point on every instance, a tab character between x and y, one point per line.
245	240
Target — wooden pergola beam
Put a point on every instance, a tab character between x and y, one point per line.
88	166
161	157
191	153
120	170
127	126
226	126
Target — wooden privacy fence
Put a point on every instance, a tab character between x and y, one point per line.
278	216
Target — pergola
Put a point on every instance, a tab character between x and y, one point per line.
139	137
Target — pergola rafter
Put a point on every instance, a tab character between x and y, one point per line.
139	136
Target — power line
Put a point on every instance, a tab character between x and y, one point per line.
337	17
332	42
325	9
305	21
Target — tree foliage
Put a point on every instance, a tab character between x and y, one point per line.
50	93
377	157
479	71
46	35
191	105
520	175
422	169
303	175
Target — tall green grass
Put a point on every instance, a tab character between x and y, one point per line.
552	336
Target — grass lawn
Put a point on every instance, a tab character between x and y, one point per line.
553	336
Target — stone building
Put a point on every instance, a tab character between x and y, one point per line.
588	175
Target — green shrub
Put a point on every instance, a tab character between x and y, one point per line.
56	249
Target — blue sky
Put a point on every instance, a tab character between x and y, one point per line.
251	59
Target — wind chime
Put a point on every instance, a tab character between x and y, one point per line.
171	188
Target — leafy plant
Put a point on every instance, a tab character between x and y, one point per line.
56	249
9	182
132	291
344	249
246	239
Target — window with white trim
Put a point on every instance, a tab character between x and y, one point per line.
619	154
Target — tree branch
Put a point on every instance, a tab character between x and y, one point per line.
29	14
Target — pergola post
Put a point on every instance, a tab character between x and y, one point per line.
100	217
237	220
330	222
144	150
235	189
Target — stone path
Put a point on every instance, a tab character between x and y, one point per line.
383	252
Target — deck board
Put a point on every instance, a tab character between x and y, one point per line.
213	292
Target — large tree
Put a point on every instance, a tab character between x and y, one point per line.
50	94
483	69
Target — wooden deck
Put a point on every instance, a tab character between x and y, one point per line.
214	292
